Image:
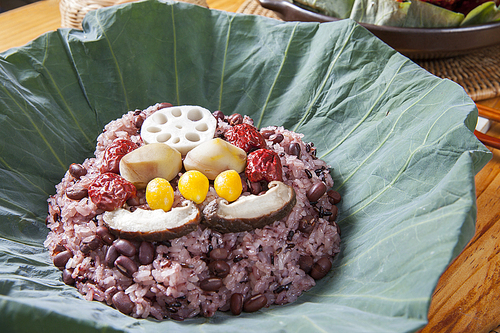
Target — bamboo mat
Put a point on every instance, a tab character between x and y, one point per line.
478	72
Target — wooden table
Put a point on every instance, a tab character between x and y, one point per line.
467	297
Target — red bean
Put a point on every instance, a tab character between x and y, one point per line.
306	225
146	253
77	192
236	303
122	302
218	115
294	149
219	268
235	119
126	266
267	133
211	284
105	235
67	278
111	256
255	303
321	268
316	191
278	138
306	263
219	254
77	170
90	245
334	210
61	259
125	247
334	197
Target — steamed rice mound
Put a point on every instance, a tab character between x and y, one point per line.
264	261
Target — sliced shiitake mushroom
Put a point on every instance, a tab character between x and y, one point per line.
252	211
153	225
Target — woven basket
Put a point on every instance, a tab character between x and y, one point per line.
73	11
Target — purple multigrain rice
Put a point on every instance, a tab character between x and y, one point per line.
264	264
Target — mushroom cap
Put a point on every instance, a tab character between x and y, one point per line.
153	225
252	211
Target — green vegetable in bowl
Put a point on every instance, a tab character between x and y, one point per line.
410	13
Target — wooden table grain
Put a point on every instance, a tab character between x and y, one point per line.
467	297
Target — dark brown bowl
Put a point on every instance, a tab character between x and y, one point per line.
415	43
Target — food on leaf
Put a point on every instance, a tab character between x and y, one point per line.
153	225
150	161
160	194
252	211
215	156
228	185
181	127
193	186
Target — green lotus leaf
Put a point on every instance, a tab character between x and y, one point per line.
399	141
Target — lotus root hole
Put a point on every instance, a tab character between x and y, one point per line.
176	140
153	129
202	127
176	112
163	137
194	115
193	137
159	118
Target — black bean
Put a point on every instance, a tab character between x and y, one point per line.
308	173
218	115
321	268
146	253
211	284
316	191
62	258
125	247
278	138
105	235
254	188
235	119
284	287
238	258
126	266
289	237
122	302
111	256
67	278
236	303
219	268
77	192
77	170
219	254
90	245
306	263
334	197
294	149
255	303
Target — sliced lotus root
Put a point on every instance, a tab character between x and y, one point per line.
181	127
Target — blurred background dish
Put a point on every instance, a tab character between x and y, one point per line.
416	43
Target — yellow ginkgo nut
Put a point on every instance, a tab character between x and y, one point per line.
193	186
160	194
228	185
